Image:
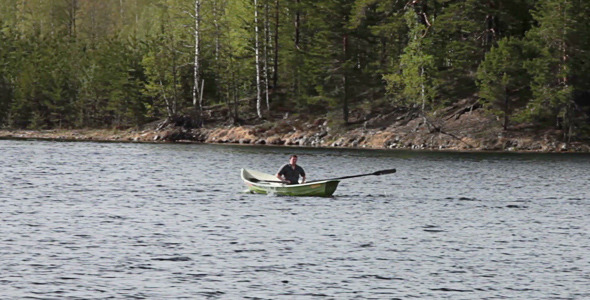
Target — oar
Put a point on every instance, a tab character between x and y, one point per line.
258	180
381	172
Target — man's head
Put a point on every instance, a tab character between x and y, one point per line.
293	159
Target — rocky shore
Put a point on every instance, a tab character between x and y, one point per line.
463	129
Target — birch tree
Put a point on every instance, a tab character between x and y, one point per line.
275	75
257	55
162	64
414	81
197	93
265	54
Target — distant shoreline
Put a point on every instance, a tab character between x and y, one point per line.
243	135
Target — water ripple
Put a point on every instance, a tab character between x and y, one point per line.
141	221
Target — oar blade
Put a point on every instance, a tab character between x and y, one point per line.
384	172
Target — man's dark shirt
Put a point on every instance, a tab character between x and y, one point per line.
290	174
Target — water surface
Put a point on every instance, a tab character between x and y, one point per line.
108	220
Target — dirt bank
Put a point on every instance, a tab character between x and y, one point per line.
460	128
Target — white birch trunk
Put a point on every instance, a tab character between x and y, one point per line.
275	70
563	43
422	88
196	92
216	25
266	42
257	54
169	107
121	13
568	130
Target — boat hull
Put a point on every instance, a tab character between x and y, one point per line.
259	183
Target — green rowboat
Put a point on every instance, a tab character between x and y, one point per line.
263	183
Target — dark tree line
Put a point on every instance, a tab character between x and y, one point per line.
98	63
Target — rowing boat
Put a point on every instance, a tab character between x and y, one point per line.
263	183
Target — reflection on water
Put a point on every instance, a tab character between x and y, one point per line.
91	220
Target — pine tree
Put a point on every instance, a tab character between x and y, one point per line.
502	79
561	64
7	66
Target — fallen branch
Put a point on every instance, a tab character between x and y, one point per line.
434	128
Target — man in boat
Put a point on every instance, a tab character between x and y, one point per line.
289	173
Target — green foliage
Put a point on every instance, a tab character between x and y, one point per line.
7	54
561	63
101	63
42	88
414	84
503	80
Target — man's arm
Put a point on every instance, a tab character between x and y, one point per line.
302	173
283	179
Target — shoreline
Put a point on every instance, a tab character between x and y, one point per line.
463	128
353	139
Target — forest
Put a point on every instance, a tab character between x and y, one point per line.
124	63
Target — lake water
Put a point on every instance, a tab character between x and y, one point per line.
172	221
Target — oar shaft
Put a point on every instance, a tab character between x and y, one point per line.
382	172
260	180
